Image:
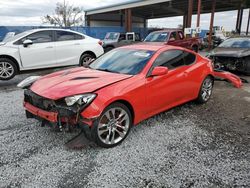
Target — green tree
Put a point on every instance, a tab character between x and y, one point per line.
65	15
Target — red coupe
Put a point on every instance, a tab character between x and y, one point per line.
118	90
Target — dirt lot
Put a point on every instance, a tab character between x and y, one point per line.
188	146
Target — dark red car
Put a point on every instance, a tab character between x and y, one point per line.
174	37
120	89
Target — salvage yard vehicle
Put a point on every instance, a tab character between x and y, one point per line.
114	39
46	48
232	55
174	37
119	89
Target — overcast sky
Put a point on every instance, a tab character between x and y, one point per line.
29	12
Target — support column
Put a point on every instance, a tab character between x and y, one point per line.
128	20
198	16
239	20
198	13
211	25
248	22
184	21
145	24
190	13
87	21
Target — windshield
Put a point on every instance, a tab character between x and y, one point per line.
236	43
20	35
123	61
157	37
111	36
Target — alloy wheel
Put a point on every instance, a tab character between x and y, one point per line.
87	60
207	89
113	126
6	70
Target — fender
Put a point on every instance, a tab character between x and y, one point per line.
235	80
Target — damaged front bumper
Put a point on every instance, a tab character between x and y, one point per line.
54	113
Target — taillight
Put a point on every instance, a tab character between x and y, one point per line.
100	43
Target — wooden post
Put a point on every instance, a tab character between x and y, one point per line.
211	25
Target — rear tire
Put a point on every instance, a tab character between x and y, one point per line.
205	90
8	69
113	126
86	60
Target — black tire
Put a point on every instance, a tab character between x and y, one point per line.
86	59
8	69
95	131
109	48
207	88
195	48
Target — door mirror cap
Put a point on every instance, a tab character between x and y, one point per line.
27	43
159	71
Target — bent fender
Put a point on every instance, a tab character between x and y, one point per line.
235	80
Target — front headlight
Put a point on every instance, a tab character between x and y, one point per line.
80	99
28	82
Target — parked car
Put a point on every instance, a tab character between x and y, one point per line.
46	48
120	89
114	39
174	37
233	55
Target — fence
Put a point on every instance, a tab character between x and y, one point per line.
96	32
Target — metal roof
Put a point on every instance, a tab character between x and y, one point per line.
167	8
125	5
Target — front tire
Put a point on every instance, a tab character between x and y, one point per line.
113	126
205	90
8	69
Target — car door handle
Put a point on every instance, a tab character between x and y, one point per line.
77	43
49	47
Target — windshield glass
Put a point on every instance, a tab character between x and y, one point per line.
157	37
123	61
236	43
20	35
111	36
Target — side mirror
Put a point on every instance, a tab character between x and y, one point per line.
159	71
27	43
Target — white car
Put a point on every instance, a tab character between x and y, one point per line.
46	48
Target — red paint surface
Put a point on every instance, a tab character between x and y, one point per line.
146	95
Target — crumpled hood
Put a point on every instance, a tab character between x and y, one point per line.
231	52
74	81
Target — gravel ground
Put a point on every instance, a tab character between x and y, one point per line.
188	146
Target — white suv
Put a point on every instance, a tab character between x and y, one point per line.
46	48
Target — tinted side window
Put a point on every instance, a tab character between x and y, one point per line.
122	37
173	36
78	37
130	37
189	58
171	59
39	37
65	36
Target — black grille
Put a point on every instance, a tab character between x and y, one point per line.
38	101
